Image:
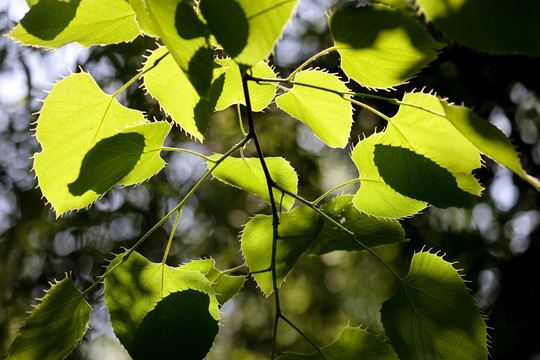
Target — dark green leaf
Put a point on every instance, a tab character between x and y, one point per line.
371	231
493	26
55	326
180	326
136	287
432	316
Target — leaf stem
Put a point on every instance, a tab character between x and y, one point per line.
315	202
303	335
187	151
164	218
139	75
308	61
179	213
275	218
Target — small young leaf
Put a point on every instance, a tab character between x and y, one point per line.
179	324
248	174
55	326
90	143
247	29
233	93
369	230
166	82
488	139
375	197
135	293
52	23
184	34
477	23
381	47
432	160
296	230
353	343
225	286
328	115
432	315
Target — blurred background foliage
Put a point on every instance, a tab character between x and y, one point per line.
496	243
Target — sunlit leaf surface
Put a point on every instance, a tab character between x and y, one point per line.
52	23
381	47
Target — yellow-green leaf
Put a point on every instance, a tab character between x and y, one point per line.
327	114
90	143
54	23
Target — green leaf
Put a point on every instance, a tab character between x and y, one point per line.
225	286
54	23
184	34
487	139
353	343
369	230
375	196
227	21
304	230
248	174
381	47
247	30
179	324
233	92
90	143
425	157
166	82
328	115
55	326
143	296
493	26
432	315
296	230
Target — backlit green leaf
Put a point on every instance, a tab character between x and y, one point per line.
381	47
225	286
353	343
248	174
493	26
166	82
184	34
487	139
328	115
144	298
425	157
371	231
247	30
233	92
296	230
55	326
305	230
90	143
375	197
53	23
432	315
